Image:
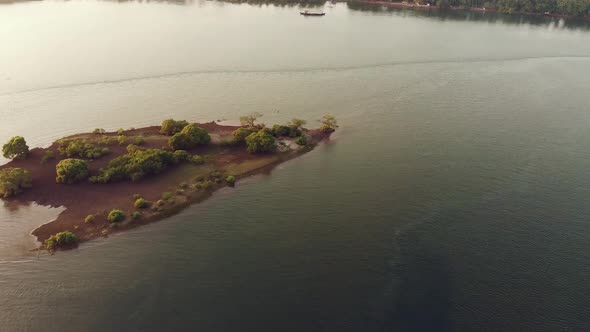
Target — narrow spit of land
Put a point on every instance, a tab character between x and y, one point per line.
106	201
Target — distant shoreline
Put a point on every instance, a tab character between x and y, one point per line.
466	8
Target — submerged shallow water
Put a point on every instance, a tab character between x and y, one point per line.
454	196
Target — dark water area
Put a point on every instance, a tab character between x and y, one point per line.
454	196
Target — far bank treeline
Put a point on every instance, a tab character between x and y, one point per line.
554	7
74	156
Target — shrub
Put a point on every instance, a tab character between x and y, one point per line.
231	180
120	131
166	196
197	160
107	140
89	218
329	124
206	185
116	216
189	137
136	165
61	239
16	148
241	133
171	127
179	191
13	181
261	141
139	140
121	139
160	202
301	140
80	149
98	131
183	185
49	154
136	215
297	123
280	130
136	196
71	171
180	156
141	203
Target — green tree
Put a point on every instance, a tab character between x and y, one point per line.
190	136
329	124
16	148
61	239
13	181
261	141
171	126
250	119
71	170
298	123
241	133
116	215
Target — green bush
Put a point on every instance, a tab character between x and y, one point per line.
250	119
139	140
261	141
231	180
71	171
49	154
189	137
136	165
121	139
13	181
99	131
301	140
160	202
167	195
61	239
179	191
136	196
280	130
16	148
241	133
183	185
197	160
80	149
136	215
89	218
180	156
120	131
171	127
116	216
141	203
329	124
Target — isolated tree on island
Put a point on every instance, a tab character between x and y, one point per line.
13	181
261	141
71	171
250	119
16	148
329	124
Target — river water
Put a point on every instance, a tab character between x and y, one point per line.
454	197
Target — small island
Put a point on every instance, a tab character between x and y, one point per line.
113	181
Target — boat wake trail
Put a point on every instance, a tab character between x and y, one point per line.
298	70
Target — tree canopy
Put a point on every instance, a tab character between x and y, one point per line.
135	165
261	141
13	181
171	126
71	170
189	137
16	148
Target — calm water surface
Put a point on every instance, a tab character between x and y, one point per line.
454	197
